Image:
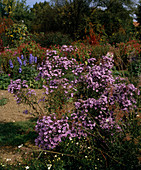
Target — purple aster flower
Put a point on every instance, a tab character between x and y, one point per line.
25	111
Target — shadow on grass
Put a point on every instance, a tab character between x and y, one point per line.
16	133
3	101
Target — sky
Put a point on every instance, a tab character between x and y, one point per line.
32	2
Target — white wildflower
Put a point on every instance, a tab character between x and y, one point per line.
20	146
49	166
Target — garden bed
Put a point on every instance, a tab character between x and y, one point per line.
82	104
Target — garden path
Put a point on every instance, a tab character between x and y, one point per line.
12	112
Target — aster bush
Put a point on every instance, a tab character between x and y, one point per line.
98	127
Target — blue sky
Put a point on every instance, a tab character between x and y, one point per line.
32	2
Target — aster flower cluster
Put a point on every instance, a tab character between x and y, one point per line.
53	71
15	88
124	95
52	130
51	52
68	48
18	88
97	90
55	66
16	85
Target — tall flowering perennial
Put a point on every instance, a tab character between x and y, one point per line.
53	70
97	90
20	61
23	61
94	91
11	64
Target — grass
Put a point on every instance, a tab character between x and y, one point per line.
3	101
16	133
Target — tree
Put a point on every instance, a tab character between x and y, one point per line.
2	9
108	3
115	16
72	16
44	17
9	6
21	11
14	8
138	13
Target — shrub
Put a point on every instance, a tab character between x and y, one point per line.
17	34
33	48
99	126
5	23
4	81
1	46
52	38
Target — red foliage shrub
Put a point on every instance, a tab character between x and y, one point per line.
1	46
4	24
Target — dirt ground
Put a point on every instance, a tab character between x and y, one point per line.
12	112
